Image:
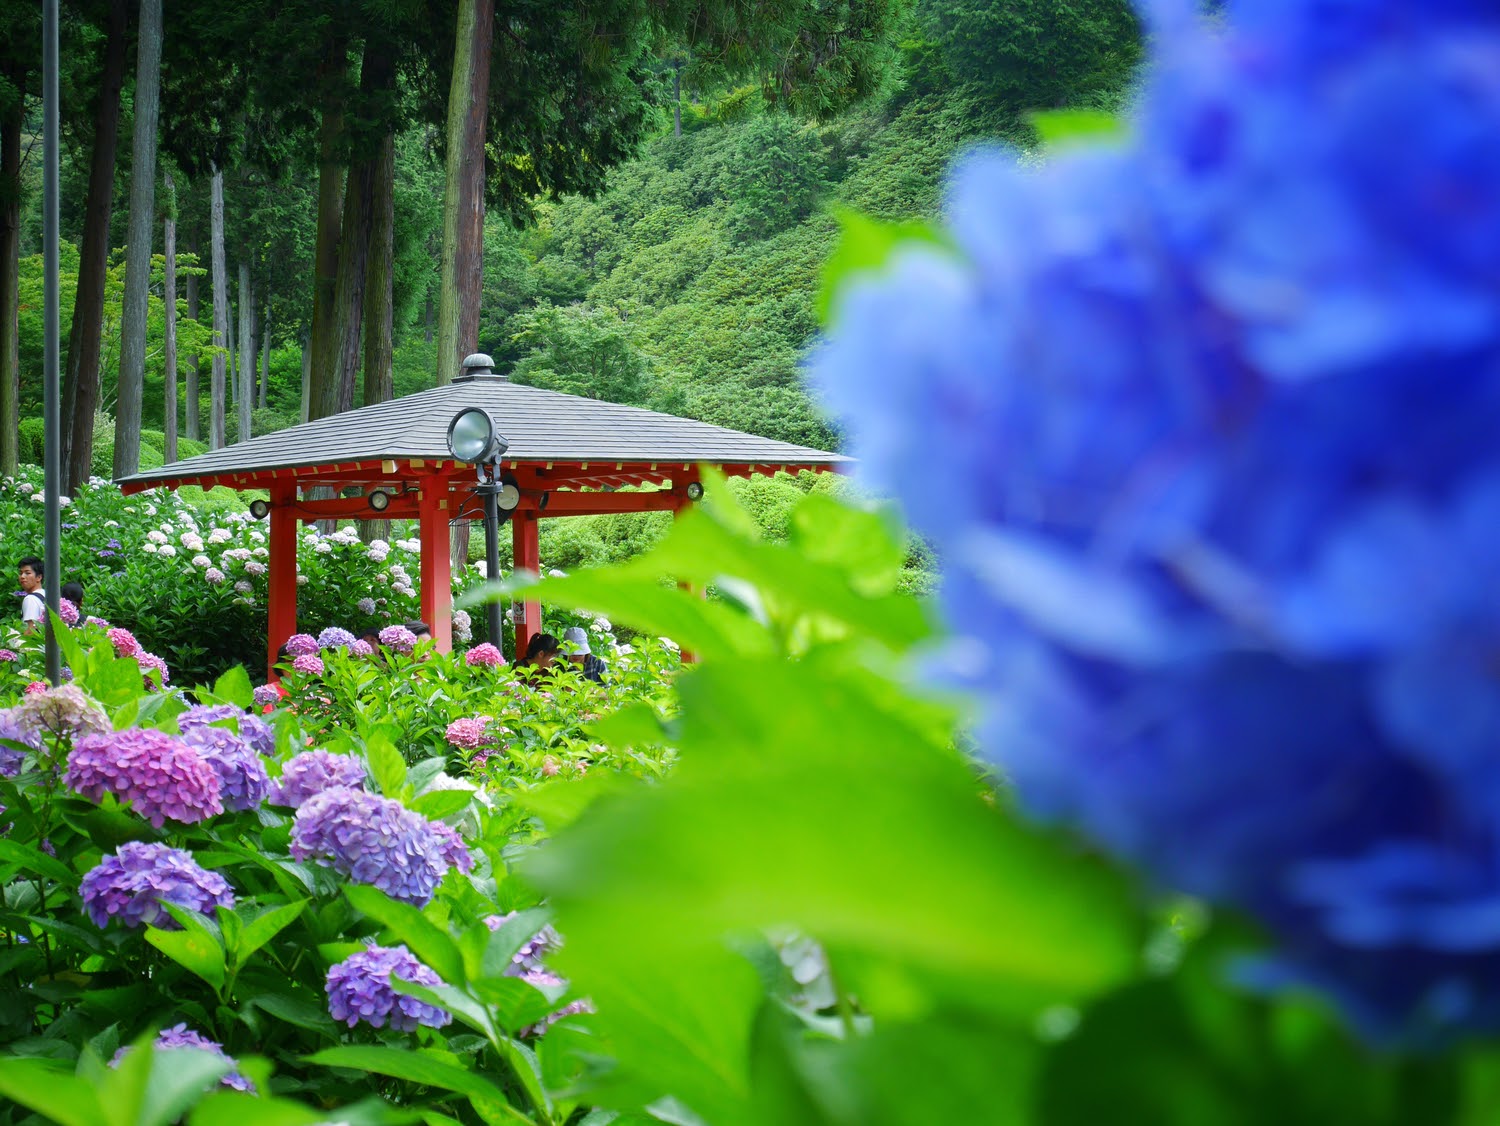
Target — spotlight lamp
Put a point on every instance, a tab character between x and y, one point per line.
473	437
379	500
695	490
260	509
508	495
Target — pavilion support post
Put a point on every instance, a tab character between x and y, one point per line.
687	655
281	609
437	570
528	557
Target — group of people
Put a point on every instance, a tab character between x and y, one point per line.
544	649
31	574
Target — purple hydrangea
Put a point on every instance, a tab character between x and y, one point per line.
243	782
301	645
378	841
398	638
12	758
359	989
179	1038
1218	495
361	648
132	885
529	956
335	638
161	777
266	695
312	772
8	655
252	729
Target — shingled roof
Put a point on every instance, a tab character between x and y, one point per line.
542	427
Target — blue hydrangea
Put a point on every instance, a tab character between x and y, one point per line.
378	841
251	728
312	772
335	637
243	782
1201	423
359	989
132	884
182	1038
15	736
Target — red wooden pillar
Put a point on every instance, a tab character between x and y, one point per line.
688	656
527	555
281	598
437	573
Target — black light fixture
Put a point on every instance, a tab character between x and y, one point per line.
379	500
260	509
474	437
695	490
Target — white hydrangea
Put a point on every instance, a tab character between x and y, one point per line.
150	510
603	624
240	554
381	579
366	605
557	573
257	536
38	497
322	547
202	561
156	537
167	549
378	545
191	540
167	528
254	568
111	523
63	502
220	535
261	552
213	575
25	488
302	580
149	548
244	587
412	545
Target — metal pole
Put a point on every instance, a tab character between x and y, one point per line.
492	562
51	406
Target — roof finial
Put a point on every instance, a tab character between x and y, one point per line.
477	366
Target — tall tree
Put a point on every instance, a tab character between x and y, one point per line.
191	391
247	351
81	377
131	383
265	358
322	391
221	311
463	202
169	324
20	58
380	301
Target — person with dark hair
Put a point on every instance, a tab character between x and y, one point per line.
31	573
541	651
73	592
422	630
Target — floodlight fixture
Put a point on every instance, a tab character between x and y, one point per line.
379	500
260	509
474	437
695	490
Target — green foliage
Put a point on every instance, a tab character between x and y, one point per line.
581	351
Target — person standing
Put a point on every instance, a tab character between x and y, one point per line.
33	597
575	646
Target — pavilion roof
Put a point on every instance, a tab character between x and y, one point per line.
396	438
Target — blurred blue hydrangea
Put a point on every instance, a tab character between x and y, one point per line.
1202	423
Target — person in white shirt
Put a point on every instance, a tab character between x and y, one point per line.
33	597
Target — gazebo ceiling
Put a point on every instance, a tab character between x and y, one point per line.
556	440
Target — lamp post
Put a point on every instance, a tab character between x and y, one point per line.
474	437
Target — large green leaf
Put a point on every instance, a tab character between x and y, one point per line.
428	941
51	1091
419	1067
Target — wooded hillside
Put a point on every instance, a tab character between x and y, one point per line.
656	220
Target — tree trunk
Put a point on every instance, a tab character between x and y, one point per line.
306	373
10	282
349	301
231	380
677	99
131	384
427	318
463	202
321	399
265	359
169	326
247	351
221	311
379	300
81	379
190	394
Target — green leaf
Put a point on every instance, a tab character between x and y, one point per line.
418	1067
438	804
234	686
387	766
194	948
35	860
425	939
303	1010
258	931
179	1078
865	246
51	1091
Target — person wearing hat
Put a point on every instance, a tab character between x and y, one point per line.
576	648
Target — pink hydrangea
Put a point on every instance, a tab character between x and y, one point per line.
8	655
302	645
398	638
161	777
308	663
124	642
484	654
361	648
36	688
469	733
150	662
67	611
